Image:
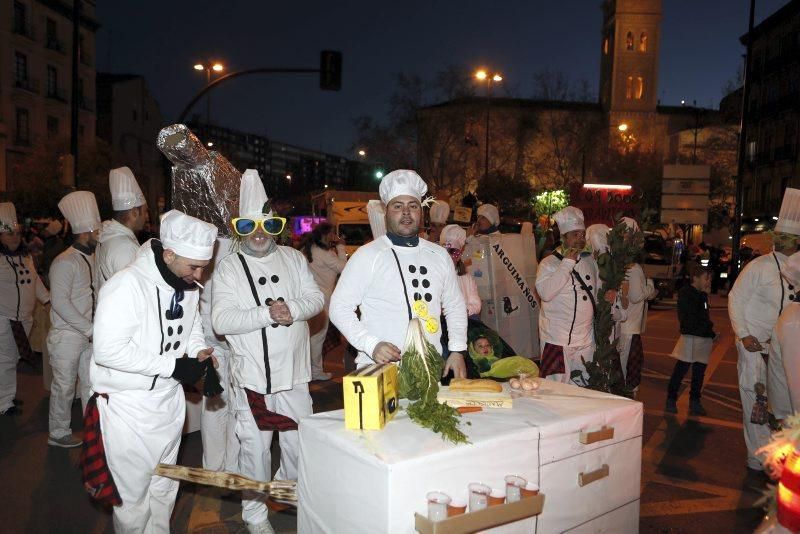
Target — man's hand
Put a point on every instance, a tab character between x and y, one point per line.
455	363
279	312
751	344
385	352
205	354
572	253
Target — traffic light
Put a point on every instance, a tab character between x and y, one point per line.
330	70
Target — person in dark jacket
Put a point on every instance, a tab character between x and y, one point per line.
697	337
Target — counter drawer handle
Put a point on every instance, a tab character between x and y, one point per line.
586	438
585	479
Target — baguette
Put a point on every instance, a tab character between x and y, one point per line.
478	384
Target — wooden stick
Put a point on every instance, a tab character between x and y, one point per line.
285	490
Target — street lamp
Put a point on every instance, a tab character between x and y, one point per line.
483	76
362	153
209	66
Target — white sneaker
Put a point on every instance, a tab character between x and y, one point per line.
261	528
69	441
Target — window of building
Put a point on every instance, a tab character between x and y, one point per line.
643	42
20	18
638	88
51	37
751	151
629	41
629	88
23	132
52	81
52	127
20	68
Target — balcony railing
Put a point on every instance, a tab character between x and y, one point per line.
57	93
27	84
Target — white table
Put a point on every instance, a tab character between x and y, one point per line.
374	481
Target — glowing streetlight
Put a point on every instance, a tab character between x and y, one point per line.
210	144
378	174
199	67
482	75
208	67
289	177
217	67
362	153
497	78
622	127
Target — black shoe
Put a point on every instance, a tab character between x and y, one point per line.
671	406
695	408
12	411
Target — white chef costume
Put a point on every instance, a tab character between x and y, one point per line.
566	320
377	218
385	279
20	288
140	329
787	332
439	212
118	244
755	302
454	237
73	293
267	358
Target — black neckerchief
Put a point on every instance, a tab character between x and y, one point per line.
169	277
400	241
492	229
88	250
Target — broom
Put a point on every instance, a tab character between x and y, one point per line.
284	491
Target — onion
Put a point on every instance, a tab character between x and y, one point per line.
528	384
514	382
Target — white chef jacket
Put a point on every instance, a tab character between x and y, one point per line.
282	274
758	296
117	250
73	292
787	332
136	339
20	288
639	292
567	315
372	281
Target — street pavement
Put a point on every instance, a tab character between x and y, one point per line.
693	468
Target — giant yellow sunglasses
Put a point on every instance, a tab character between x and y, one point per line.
244	226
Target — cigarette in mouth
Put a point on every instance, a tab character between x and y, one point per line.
201	286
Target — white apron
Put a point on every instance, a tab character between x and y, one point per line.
693	349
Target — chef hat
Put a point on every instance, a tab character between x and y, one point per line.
569	219
402	182
630	223
54	227
490	212
253	196
377	218
188	237
125	190
789	216
8	217
453	236
597	236
440	210
791	269
80	209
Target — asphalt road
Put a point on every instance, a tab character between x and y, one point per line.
693	468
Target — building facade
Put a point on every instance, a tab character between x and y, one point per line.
36	79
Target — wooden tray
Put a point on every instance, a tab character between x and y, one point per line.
490	517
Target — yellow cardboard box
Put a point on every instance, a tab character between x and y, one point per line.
370	397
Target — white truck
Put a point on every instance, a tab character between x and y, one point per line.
347	212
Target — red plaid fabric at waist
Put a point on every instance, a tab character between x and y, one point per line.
265	419
97	478
633	369
552	360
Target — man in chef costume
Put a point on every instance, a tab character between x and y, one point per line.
439	212
787	332
20	288
118	243
389	278
147	320
262	298
73	293
755	302
488	222
567	283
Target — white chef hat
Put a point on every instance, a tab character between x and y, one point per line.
440	210
490	212
791	269
402	182
125	190
187	236
253	196
789	216
377	218
597	236
569	219
453	236
80	209
53	227
630	223
8	217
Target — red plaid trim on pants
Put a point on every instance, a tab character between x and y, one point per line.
97	478
265	419
633	369
552	360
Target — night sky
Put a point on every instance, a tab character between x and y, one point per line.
161	40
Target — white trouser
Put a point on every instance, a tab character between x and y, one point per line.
572	362
140	430
624	348
9	356
777	386
317	340
218	424
751	369
255	459
84	385
65	349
